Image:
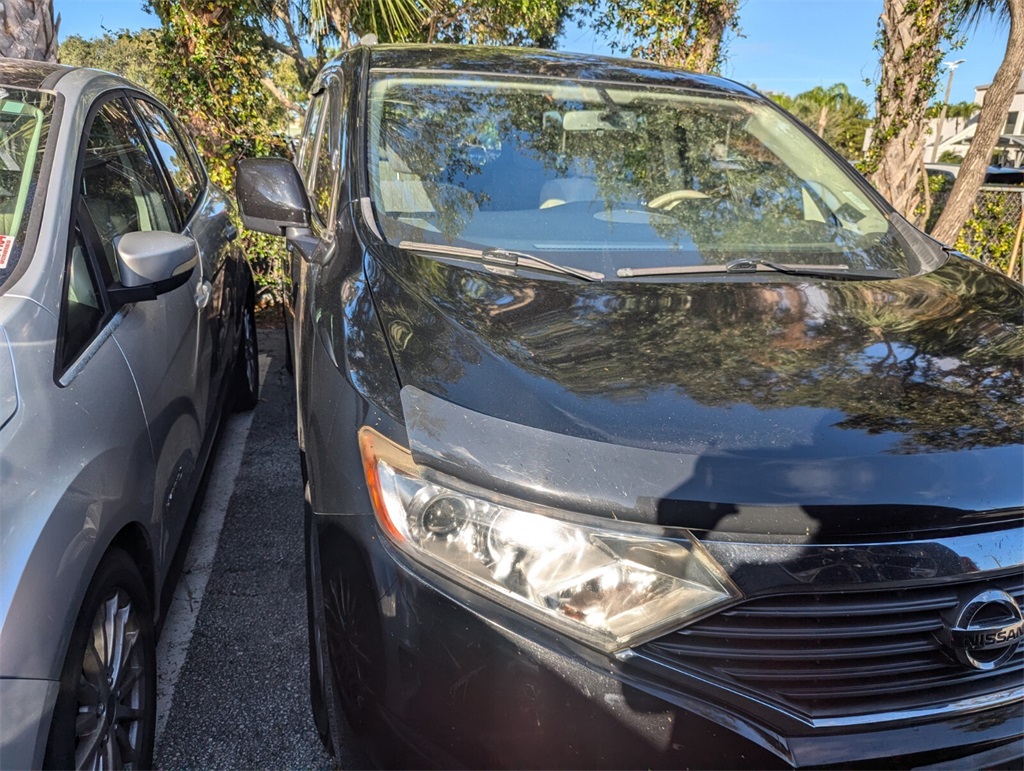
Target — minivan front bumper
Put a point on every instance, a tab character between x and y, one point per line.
464	682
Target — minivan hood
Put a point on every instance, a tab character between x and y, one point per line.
786	392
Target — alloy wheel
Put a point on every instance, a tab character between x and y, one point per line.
246	377
112	689
354	632
249	350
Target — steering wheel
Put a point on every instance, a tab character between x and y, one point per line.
671	199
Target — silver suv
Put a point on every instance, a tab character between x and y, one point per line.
126	323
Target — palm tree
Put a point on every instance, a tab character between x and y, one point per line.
28	30
992	117
833	112
911	34
825	99
953	110
962	109
389	20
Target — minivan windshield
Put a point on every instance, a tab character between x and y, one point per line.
613	176
24	120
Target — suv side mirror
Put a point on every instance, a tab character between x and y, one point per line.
152	263
271	196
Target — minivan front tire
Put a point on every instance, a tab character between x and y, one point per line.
247	367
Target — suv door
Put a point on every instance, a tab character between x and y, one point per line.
320	168
205	213
166	341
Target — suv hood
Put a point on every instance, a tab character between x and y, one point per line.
758	401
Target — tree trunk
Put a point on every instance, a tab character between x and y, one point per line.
705	53
28	30
340	15
822	121
281	96
910	35
991	121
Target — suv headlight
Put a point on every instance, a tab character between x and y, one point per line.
606	587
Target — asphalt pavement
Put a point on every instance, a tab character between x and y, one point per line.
234	671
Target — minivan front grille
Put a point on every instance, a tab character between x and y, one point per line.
839	654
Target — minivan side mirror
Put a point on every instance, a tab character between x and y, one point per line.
271	196
152	263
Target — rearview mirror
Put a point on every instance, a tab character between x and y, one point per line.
152	263
599	120
271	196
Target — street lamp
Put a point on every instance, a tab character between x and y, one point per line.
942	115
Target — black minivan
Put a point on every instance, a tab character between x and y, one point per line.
638	430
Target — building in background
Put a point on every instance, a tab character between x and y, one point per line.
957	133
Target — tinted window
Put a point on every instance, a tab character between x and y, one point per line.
120	185
309	135
83	309
24	127
325	169
186	181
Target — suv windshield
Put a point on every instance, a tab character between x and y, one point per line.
24	120
617	176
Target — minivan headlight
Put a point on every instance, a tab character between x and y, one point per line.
608	587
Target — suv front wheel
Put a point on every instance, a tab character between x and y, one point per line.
105	715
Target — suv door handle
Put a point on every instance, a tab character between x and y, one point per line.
203	293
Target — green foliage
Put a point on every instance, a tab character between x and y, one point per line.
212	59
284	74
954	110
988	234
682	33
846	134
520	23
842	116
391	21
948	156
129	54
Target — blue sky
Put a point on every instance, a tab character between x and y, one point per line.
786	45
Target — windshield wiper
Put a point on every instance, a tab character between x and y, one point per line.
505	258
751	265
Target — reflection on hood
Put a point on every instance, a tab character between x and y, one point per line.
925	364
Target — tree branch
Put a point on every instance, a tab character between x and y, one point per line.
281	96
305	69
285	18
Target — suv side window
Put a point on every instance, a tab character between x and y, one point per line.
325	170
121	190
309	134
185	180
83	304
324	158
121	186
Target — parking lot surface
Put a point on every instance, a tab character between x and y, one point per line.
234	681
